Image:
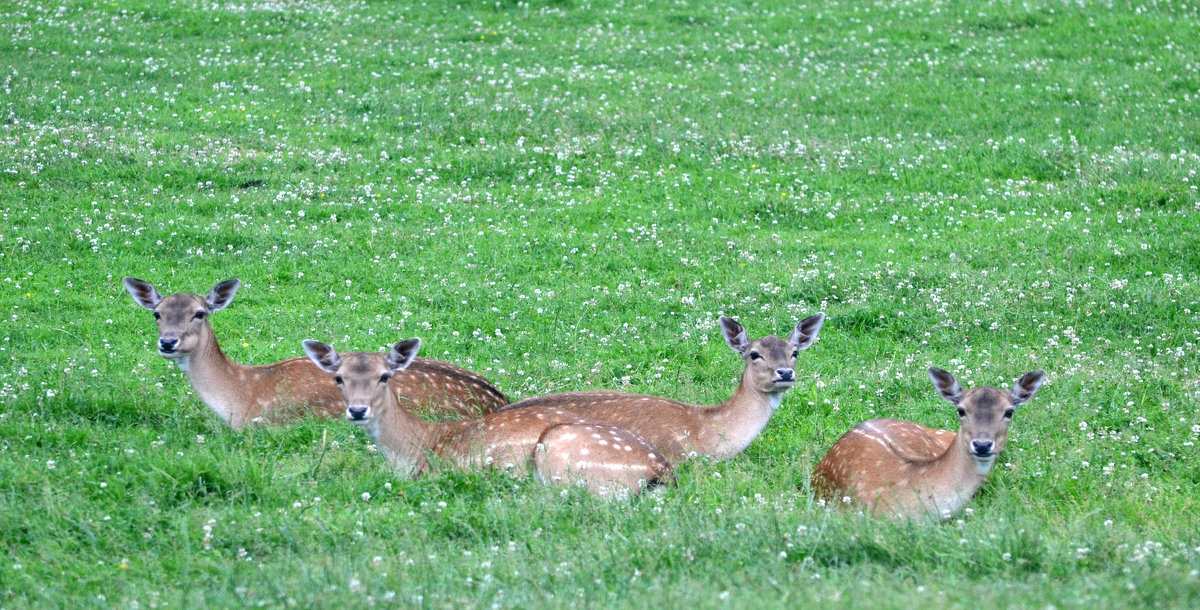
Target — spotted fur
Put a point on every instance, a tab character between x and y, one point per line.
681	430
286	390
899	468
558	446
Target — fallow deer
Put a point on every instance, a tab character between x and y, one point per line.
286	390
562	447
899	468
681	430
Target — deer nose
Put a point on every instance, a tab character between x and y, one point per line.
982	448
168	345
356	412
785	374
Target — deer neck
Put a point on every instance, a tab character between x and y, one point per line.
217	380
735	423
404	439
952	479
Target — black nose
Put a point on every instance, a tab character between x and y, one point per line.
786	374
982	448
357	412
168	345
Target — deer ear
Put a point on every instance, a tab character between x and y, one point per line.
946	384
403	353
222	294
735	335
1027	386
323	355
142	292
807	330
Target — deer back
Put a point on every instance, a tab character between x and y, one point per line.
877	454
669	425
437	388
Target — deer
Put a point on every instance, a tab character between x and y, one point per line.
898	468
559	447
287	390
681	430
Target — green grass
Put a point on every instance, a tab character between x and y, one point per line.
566	196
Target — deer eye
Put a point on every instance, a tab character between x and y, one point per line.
962	412
337	379
795	354
755	356
157	316
1008	414
384	378
199	315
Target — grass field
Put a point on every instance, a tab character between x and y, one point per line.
566	196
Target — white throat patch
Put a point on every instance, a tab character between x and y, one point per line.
775	399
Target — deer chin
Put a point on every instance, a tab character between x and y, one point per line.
181	359
781	385
984	463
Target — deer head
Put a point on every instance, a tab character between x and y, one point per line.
363	377
771	360
182	318
985	413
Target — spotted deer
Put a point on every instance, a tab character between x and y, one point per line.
681	430
561	447
899	468
286	390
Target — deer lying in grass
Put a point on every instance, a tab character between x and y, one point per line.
563	447
681	430
286	390
898	468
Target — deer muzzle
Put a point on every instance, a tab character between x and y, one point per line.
357	412
785	377
982	447
167	345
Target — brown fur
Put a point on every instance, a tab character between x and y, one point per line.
899	468
681	430
558	446
286	390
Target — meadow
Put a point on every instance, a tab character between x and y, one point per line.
566	195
